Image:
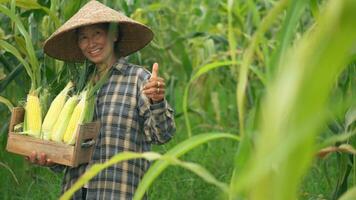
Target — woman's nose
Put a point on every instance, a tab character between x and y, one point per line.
91	43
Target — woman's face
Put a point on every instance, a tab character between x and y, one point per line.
95	43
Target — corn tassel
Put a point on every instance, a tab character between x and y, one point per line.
63	120
33	117
55	108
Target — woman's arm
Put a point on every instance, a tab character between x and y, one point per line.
158	116
159	125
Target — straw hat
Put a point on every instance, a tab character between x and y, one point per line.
62	44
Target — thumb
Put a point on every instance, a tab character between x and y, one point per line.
154	70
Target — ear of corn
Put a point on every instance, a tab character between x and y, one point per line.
64	115
76	119
55	108
63	120
33	117
83	113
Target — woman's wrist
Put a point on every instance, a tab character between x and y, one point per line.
156	102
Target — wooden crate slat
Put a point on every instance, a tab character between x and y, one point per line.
24	145
60	153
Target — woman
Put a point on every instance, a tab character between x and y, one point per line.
130	105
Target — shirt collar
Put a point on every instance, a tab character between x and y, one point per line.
121	65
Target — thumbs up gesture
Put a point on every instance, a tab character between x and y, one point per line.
154	88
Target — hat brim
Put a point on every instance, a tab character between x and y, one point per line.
63	45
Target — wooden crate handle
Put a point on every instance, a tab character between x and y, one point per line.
88	143
87	134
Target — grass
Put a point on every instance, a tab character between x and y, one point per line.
31	185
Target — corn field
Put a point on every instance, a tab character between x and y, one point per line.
264	93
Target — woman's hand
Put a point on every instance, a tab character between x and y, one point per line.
154	89
39	159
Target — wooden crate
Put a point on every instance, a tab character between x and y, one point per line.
70	155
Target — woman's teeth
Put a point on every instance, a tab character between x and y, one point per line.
94	51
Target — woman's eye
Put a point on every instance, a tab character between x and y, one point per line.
82	37
83	40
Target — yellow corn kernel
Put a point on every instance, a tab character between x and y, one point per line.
55	108
63	119
75	120
33	117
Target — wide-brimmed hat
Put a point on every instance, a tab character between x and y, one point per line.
62	44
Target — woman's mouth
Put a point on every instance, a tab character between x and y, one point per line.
95	52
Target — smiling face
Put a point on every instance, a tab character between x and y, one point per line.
96	44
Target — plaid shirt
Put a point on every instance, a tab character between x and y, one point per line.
128	123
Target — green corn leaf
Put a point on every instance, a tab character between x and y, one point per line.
96	168
349	195
70	8
21	44
28	4
5	62
231	36
285	37
11	49
33	4
9	169
36	78
2	74
314	8
6	102
259	74
287	132
198	170
202	70
53	16
157	168
336	138
350	117
211	66
255	12
185	58
248	58
11	77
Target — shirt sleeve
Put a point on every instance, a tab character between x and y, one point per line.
158	118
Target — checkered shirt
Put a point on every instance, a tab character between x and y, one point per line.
129	122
